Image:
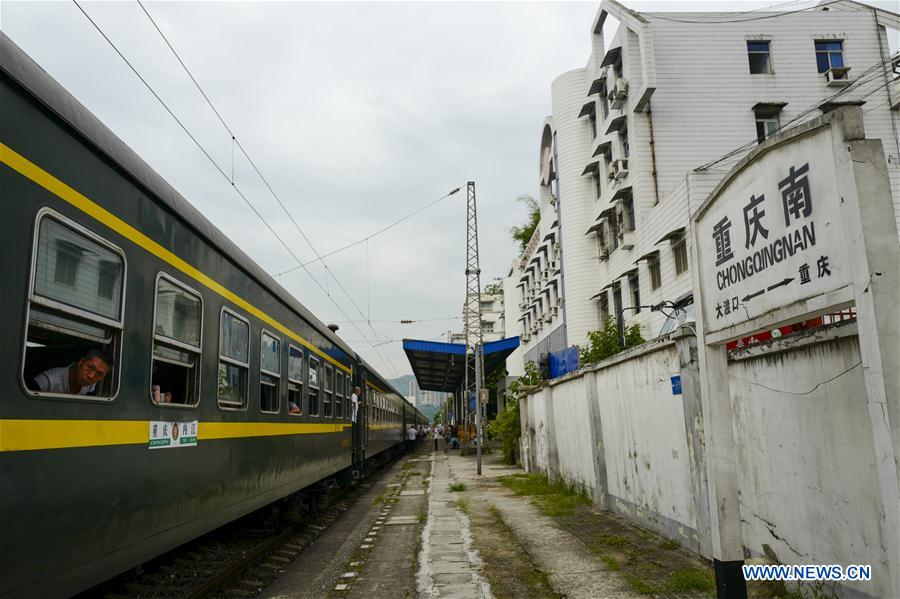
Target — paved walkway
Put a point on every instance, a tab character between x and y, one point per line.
449	565
411	536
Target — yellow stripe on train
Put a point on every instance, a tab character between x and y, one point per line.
30	435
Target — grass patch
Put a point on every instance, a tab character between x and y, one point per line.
422	516
612	540
462	505
554	499
611	562
414	473
691	580
668	544
378	499
406	465
456	487
640	585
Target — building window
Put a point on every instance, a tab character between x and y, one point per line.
628	214
634	286
598	184
312	382
487	326
269	373
613	231
759	57
679	252
295	381
617	299
829	55
592	120
655	273
604	103
234	360
623	132
487	306
175	367
604	308
766	127
68	313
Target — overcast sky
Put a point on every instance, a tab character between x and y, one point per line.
356	113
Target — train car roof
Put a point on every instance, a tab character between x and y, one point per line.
30	75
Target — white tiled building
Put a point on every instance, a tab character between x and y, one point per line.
671	92
492	319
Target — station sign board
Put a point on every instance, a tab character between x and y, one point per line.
773	236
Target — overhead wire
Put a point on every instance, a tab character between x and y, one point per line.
262	178
375	234
219	168
661	17
319	257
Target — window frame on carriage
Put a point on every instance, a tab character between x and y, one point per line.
328	386
83	324
310	360
165	340
298	382
228	405
263	372
337	406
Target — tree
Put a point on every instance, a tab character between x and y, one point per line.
523	234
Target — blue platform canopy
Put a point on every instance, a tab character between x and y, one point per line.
441	366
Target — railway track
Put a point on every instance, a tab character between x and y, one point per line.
237	560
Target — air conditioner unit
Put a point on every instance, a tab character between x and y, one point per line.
618	94
837	76
620	168
627	239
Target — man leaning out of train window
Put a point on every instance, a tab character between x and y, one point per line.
78	378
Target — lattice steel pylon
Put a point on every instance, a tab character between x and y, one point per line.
474	377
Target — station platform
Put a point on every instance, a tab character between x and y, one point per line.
431	527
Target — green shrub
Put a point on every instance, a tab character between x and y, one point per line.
605	342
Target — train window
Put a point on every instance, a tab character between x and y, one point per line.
338	394
313	384
329	389
348	391
269	372
175	365
75	312
295	381
234	360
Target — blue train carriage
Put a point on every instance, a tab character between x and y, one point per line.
225	394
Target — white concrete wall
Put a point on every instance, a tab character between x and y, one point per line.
807	481
808	485
647	461
572	426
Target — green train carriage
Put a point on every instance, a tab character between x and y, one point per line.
226	394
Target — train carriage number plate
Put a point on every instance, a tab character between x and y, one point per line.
167	435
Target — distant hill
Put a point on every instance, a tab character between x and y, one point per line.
402	383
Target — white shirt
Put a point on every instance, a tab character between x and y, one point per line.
56	380
411	433
355	405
